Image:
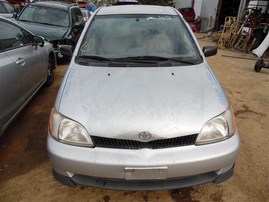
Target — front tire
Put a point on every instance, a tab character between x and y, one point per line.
259	65
50	75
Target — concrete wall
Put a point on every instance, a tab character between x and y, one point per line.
208	14
205	9
198	7
183	3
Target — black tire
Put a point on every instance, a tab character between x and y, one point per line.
258	65
50	75
63	60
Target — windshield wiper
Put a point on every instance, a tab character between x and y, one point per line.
149	60
24	20
154	59
45	23
103	59
92	57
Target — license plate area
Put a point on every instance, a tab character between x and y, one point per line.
148	173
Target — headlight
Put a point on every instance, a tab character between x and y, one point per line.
218	128
68	131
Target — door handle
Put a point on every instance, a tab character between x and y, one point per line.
20	61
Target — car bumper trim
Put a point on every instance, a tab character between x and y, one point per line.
139	185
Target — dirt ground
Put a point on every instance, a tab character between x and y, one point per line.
25	171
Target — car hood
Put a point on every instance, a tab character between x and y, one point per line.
49	32
122	102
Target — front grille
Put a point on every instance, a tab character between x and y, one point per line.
132	144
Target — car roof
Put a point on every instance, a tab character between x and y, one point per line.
54	4
137	9
125	2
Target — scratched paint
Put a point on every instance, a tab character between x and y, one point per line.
219	93
68	84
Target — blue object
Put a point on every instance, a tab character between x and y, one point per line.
91	7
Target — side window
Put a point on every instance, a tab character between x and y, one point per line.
10	8
12	36
79	15
73	16
2	8
76	15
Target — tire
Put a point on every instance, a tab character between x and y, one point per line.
50	75
258	65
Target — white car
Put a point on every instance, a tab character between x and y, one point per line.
27	63
139	107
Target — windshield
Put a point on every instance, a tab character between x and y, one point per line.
123	36
45	15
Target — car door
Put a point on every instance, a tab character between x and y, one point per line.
10	85
22	69
31	63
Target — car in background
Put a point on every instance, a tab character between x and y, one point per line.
19	4
7	9
27	63
139	107
126	2
58	22
86	14
188	14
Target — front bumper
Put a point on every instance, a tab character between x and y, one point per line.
108	168
142	185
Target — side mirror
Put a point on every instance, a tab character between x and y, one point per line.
38	40
15	15
66	50
210	50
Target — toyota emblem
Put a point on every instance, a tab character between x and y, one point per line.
144	136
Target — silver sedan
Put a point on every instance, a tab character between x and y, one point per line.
139	107
27	63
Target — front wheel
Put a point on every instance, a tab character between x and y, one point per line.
50	75
259	65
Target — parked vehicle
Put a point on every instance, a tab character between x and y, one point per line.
139	107
27	63
7	9
126	2
86	14
19	4
188	14
58	22
82	3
